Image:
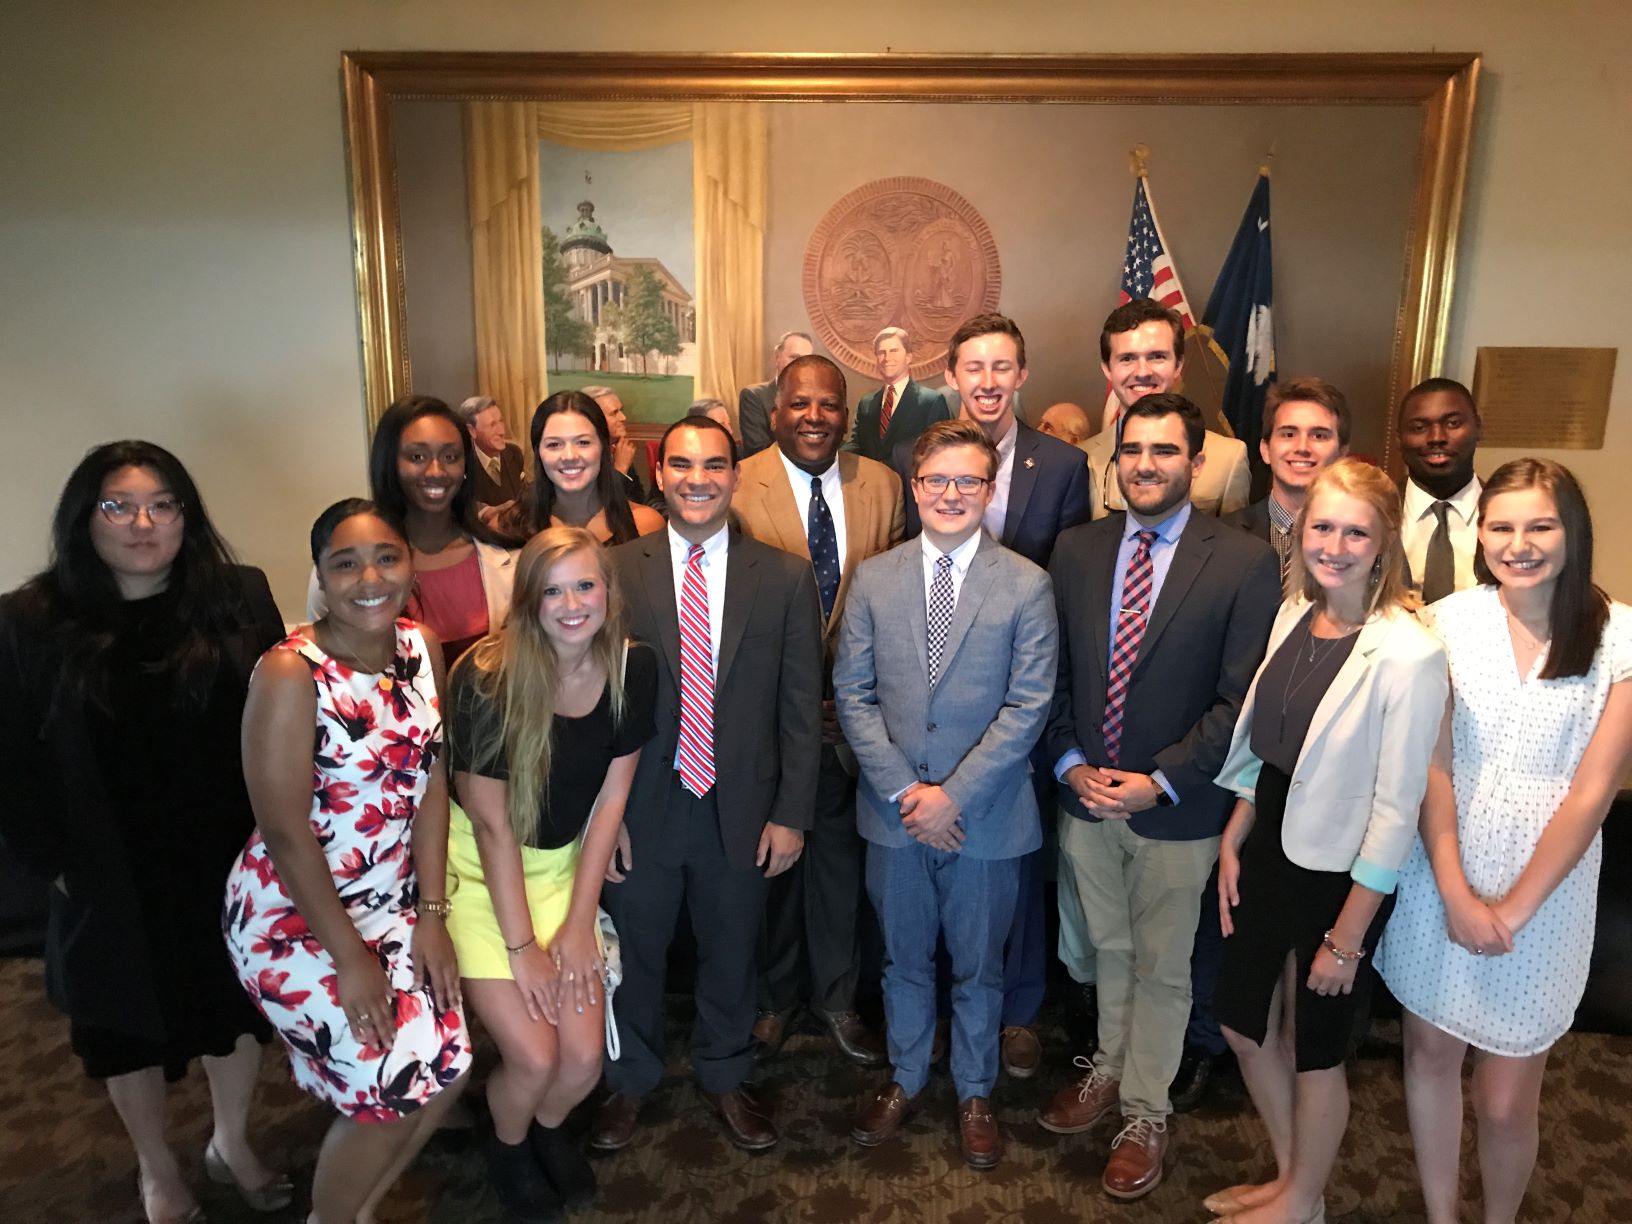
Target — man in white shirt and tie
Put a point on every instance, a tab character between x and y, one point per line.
1439	432
901	409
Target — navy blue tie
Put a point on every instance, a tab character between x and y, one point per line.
824	547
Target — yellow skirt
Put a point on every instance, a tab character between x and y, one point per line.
474	926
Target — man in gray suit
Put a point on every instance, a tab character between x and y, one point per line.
756	403
724	793
943	677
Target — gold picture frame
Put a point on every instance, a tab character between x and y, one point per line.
1442	86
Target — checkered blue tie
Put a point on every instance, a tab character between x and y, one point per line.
941	603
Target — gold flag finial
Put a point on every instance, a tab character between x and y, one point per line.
1268	158
1139	160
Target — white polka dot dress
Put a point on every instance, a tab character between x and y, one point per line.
1516	744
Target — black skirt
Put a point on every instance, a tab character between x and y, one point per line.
1288	909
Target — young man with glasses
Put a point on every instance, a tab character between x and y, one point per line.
945	667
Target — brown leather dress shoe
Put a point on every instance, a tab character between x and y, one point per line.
977	1129
615	1123
770	1031
1022	1051
883	1115
746	1120
855	1040
1076	1107
1135	1167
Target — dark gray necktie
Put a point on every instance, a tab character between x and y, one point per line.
1439	570
824	547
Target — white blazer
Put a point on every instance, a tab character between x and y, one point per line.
1363	768
497	567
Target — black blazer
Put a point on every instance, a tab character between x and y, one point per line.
55	819
1049	491
767	695
1253	518
1206	637
511	484
920	407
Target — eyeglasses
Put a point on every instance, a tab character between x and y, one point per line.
965	484
160	513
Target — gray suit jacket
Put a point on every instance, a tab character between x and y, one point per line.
973	732
754	406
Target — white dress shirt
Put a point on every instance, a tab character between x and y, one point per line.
996	518
962	556
1462	521
832	494
714	550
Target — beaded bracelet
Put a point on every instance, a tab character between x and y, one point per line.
521	947
1343	956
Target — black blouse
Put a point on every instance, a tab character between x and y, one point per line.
581	749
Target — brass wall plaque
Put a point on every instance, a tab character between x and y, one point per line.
1546	398
899	252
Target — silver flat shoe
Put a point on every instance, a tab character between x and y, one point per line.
275	1195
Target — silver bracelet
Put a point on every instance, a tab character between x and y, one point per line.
1343	956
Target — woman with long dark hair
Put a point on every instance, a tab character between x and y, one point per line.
1493	936
575	483
123	670
419	467
335	911
545	725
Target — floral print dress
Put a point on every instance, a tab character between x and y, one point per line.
376	738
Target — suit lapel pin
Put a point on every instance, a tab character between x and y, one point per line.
1030	462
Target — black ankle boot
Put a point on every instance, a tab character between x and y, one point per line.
564	1164
520	1185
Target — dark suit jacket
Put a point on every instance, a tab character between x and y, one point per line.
1253	518
511	484
1205	639
57	821
754	406
1048	492
920	407
767	695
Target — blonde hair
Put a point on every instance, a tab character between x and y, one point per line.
517	670
1389	587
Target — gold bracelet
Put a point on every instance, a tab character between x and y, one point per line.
521	947
1342	954
436	909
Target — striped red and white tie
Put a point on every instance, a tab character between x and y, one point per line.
1130	631
694	757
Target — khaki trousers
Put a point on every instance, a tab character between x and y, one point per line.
1141	898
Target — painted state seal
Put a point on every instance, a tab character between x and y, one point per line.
901	252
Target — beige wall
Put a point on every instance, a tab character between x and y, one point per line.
175	238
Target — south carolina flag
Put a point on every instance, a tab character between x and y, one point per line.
1238	322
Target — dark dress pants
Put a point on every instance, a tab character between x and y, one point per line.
687	864
812	910
1206	959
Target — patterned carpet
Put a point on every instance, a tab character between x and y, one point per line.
63	1157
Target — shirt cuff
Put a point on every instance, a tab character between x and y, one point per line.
1068	760
896	798
1369	875
1161	780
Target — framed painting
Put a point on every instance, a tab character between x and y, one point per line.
525	223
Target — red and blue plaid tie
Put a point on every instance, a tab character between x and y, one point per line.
1130	631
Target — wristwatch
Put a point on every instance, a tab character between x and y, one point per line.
1163	799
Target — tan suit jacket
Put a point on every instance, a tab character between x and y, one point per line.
874	516
1224	486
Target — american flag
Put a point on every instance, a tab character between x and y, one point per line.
1147	272
1147	268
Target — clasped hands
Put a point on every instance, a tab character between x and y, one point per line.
1111	794
1483	929
932	816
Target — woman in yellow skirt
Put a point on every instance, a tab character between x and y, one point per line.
546	719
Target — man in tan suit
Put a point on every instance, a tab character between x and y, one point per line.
1141	351
804	496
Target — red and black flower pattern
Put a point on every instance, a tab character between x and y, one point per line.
376	738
